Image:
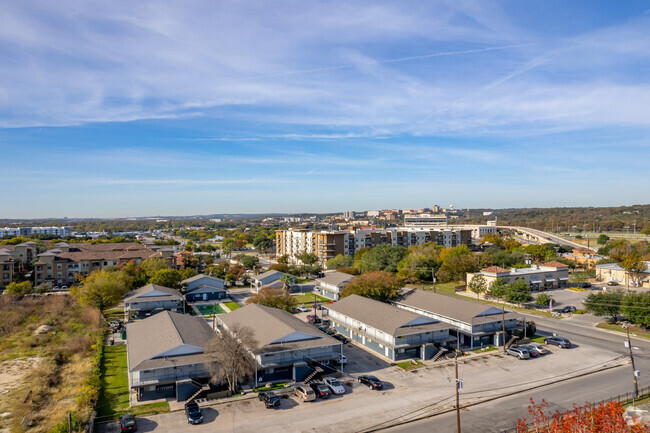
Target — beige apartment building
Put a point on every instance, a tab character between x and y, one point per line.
328	244
551	275
58	266
6	268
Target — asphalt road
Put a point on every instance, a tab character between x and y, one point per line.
502	414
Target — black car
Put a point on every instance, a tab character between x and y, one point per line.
558	341
321	390
270	400
341	338
326	329
193	413
127	423
568	309
372	382
584	285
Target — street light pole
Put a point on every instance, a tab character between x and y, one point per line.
634	373
458	382
503	324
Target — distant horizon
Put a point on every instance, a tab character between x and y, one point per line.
160	108
249	214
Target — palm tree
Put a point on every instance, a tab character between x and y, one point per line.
287	280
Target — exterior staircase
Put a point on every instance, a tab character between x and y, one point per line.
512	340
319	369
439	354
201	387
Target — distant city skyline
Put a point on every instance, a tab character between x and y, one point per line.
143	109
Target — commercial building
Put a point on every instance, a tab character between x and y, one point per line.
474	324
288	348
328	244
166	356
551	275
391	332
611	272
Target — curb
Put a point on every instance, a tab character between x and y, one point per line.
464	406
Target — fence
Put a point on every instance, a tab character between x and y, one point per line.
621	398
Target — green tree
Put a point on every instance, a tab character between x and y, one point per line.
498	288
378	285
456	267
167	278
602	239
540	253
188	273
153	265
340	261
605	304
477	284
382	258
191	246
636	308
262	242
308	258
102	289
227	246
249	262
542	299
274	297
518	292
283	259
287	281
19	290
634	266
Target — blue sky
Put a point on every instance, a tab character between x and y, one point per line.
118	108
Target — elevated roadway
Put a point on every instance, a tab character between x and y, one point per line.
539	236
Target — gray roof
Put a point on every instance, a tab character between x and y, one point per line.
459	309
277	330
150	339
385	317
268	274
171	293
336	278
198	277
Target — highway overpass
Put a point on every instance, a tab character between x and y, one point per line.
539	236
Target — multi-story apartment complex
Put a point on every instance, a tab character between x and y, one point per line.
425	220
6	267
58	266
27	231
328	244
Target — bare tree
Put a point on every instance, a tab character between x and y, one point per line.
231	356
275	297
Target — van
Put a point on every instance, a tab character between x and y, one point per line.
304	392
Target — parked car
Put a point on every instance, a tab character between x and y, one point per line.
64	287
327	330
541	349
304	392
343	339
568	309
314	318
321	390
128	423
193	413
558	341
519	352
270	400
534	353
341	360
584	285
319	307
303	309
372	382
336	386
612	283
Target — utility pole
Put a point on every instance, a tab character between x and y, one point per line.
458	385
69	422
433	277
634	372
503	324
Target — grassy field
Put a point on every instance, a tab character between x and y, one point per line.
53	372
231	305
308	298
639	332
210	309
113	398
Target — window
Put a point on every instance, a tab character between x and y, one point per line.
58	265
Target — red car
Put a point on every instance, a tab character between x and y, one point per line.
313	318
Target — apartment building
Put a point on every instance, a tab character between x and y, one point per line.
59	265
425	220
6	267
28	231
328	244
551	275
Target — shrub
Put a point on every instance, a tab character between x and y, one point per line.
542	299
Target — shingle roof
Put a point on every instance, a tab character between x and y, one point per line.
385	317
173	293
466	311
554	264
198	277
161	333
276	329
494	270
335	278
267	274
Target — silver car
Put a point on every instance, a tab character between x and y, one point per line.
334	385
519	352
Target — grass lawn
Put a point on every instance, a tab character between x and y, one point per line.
114	314
409	365
539	339
113	399
639	332
231	305
308	298
485	349
210	309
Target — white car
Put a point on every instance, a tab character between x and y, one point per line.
342	360
334	385
303	309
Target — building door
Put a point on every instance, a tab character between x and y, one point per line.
205	296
